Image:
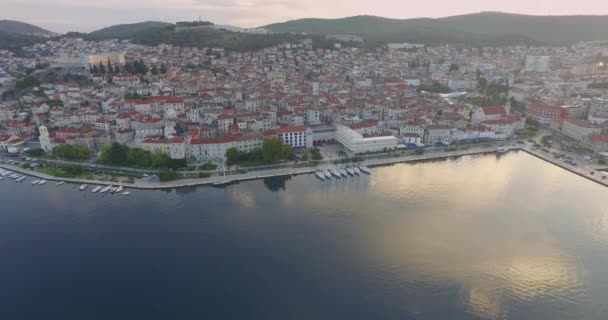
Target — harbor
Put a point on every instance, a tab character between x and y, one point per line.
327	171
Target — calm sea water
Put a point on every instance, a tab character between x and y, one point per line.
471	238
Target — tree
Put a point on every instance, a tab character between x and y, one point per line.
159	160
129	67
110	69
115	154
316	154
274	150
94	69
71	152
102	68
154	70
233	155
163	68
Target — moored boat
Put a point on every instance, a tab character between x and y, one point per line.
20	179
365	169
350	171
327	174
42	182
320	175
336	173
343	172
119	189
105	189
126	193
357	171
83	187
60	183
35	182
96	189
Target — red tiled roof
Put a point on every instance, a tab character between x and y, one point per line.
496	110
600	138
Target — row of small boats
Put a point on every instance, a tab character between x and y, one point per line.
11	175
98	189
106	189
342	172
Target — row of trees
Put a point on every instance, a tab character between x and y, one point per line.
273	150
135	67
70	152
104	68
117	154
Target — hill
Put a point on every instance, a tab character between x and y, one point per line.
209	37
11	26
484	28
126	31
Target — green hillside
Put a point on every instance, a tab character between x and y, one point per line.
14	41
233	41
126	31
11	26
473	29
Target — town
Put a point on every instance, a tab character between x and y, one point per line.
166	107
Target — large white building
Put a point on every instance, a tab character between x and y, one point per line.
296	137
356	143
537	63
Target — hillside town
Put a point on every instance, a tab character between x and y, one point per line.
196	104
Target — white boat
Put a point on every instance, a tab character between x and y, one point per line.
343	172
327	174
221	183
20	179
42	182
14	176
336	173
113	189
320	175
5	173
357	171
365	169
350	171
60	183
35	182
502	150
119	189
105	189
126	193
83	187
96	189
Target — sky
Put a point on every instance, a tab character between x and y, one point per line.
85	16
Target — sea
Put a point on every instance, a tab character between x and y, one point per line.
474	237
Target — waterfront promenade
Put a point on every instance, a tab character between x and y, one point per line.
277	172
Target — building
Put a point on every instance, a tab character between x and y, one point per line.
45	139
488	113
579	129
357	144
537	63
545	114
296	137
438	133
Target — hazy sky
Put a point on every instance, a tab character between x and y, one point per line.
79	15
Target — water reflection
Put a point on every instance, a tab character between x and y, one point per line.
275	184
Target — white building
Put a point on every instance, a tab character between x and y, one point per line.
355	142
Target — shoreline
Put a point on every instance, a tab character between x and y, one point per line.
279	172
